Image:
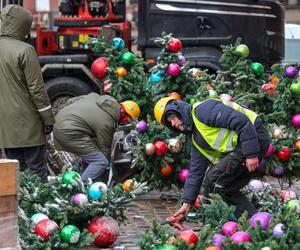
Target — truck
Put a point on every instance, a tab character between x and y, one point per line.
292	44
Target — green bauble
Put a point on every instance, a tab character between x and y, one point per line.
127	58
243	50
257	68
165	247
295	88
70	234
71	178
294	205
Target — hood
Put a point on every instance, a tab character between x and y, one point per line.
184	111
109	105
16	22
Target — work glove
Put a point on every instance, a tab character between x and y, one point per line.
48	129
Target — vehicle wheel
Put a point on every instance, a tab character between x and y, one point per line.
61	89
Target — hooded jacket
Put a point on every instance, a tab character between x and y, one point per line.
87	124
24	104
215	114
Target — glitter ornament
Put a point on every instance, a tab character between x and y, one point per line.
70	234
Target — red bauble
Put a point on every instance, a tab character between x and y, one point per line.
269	88
160	148
189	236
107	228
198	201
166	170
174	45
45	228
284	154
99	67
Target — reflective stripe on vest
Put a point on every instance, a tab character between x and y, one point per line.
221	140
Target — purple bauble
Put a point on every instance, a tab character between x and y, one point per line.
263	218
173	69
255	185
261	166
218	239
241	236
247	105
141	126
270	151
183	174
296	120
278	171
291	72
278	230
181	60
79	200
229	227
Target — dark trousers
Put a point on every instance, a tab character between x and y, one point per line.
34	157
230	174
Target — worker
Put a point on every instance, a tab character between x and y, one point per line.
85	127
225	135
25	108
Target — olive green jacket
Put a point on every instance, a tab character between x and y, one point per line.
24	104
87	124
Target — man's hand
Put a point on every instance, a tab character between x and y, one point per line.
185	208
48	129
252	164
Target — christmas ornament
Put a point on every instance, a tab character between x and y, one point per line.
257	68
212	93
102	186
189	236
226	97
95	191
141	126
173	69
241	236
181	60
295	88
270	151
296	121
174	45
274	79
284	154
293	205
79	200
149	149
99	66
183	175
198	201
263	218
175	95
297	145
266	248
160	148
243	50
278	133
278	230
218	239
128	185
291	72
71	178
229	227
36	218
196	73
261	166
213	248
268	88
287	195
156	77
247	105
106	87
70	234
107	230
192	101
165	247
118	43
255	185
174	145
127	58
45	228
121	72
166	170
278	171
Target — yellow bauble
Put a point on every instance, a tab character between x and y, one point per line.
128	185
121	72
297	145
149	149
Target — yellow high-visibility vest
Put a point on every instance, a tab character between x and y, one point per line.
221	140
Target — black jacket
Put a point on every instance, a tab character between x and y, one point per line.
215	114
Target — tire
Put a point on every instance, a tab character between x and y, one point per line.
61	89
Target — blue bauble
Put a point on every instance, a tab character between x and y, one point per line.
95	191
156	77
36	218
118	43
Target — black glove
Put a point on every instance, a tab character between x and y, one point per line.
48	129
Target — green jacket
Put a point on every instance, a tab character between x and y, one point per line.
87	124
24	104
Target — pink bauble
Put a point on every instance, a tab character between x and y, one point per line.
79	200
287	195
241	236
173	69
263	218
226	97
296	120
183	174
270	151
229	227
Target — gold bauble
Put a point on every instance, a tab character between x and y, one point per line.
195	72
297	145
128	185
149	149
278	133
174	145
